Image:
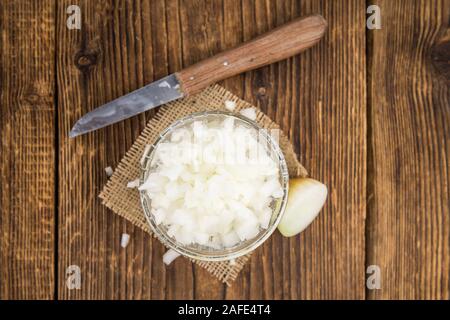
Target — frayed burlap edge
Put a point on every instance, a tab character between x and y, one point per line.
126	203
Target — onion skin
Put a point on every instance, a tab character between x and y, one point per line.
305	200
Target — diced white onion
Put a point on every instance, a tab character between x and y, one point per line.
133	184
169	256
230	105
212	183
109	171
249	113
124	240
264	218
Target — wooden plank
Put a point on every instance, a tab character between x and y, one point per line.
408	226
122	46
408	221
27	153
91	71
319	100
202	34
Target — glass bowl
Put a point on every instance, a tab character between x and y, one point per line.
206	253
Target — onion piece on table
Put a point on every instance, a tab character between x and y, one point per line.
169	256
124	240
109	171
306	199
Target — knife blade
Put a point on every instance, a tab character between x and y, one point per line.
278	44
151	96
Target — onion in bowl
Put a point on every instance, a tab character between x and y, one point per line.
213	182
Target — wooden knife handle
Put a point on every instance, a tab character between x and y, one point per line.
278	44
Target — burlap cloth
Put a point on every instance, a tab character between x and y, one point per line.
125	201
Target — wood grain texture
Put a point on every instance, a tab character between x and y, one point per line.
123	45
384	153
440	54
408	223
27	153
320	102
317	100
275	45
202	32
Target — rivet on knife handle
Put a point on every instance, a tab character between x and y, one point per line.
278	44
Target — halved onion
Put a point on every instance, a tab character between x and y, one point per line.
306	199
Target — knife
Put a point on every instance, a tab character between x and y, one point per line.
278	44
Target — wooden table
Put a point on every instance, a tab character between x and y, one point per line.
367	110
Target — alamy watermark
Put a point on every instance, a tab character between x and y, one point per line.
374	20
74	20
73	274
373	281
